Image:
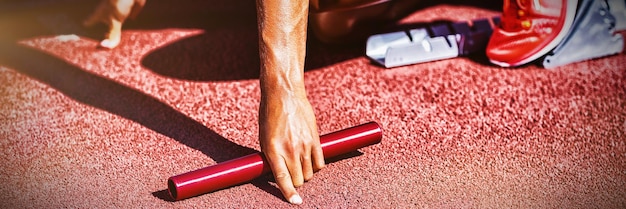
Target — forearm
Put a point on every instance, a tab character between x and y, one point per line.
282	46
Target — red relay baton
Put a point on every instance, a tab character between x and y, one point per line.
249	167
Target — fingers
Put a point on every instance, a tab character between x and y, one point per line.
318	158
294	165
290	143
284	179
311	161
307	167
292	172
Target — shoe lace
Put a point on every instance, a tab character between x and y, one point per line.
515	15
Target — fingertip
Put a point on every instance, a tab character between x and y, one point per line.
298	182
295	199
284	182
320	166
307	168
318	162
308	176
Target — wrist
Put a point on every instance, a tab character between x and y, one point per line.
282	86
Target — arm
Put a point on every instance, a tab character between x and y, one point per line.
287	128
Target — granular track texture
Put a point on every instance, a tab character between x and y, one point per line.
90	128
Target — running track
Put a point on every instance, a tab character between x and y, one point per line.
89	128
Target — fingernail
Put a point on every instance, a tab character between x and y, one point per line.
295	199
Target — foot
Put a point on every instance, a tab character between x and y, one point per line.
109	43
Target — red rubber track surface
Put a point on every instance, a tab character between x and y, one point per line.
88	128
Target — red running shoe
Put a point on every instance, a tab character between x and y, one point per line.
529	29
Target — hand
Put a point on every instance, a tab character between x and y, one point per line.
290	141
287	128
